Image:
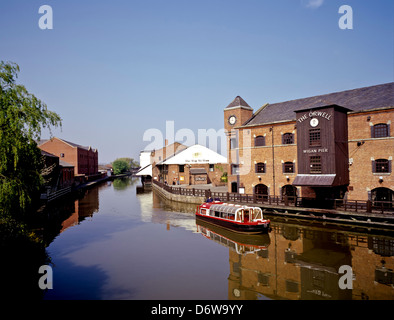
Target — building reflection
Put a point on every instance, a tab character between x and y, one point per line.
294	261
303	263
83	208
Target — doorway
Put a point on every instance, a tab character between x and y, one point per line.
261	191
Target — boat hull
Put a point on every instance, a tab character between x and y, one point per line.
236	227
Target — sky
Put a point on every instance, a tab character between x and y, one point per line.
116	70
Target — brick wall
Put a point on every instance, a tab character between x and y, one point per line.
84	161
362	148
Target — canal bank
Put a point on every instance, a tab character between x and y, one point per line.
186	197
357	214
81	186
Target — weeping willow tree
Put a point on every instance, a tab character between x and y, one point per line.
22	117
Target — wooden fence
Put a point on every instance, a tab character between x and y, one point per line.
383	207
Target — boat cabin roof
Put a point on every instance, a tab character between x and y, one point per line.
226	207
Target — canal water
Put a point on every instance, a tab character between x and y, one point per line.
115	243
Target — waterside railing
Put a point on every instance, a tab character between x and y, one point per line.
362	206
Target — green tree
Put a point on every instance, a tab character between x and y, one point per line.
22	117
132	163
120	165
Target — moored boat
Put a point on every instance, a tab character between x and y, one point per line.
234	217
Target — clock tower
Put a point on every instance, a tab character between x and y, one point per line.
235	115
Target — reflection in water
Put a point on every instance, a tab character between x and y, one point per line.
83	208
123	250
302	262
123	183
156	209
237	242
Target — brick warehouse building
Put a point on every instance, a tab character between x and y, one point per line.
84	159
337	145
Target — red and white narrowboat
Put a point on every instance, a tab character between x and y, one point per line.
234	217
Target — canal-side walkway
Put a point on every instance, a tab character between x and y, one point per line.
364	213
58	194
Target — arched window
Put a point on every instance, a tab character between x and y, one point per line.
382	197
287	138
380	130
289	190
261	189
259	141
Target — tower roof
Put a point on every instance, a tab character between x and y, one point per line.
238	102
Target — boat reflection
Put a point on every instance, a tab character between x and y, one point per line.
239	243
301	261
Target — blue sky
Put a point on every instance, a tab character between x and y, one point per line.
113	69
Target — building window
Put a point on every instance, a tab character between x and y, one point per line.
292	286
380	130
181	168
315	164
259	141
260	167
234	169
288	167
211	167
314	137
381	166
62	155
287	138
233	143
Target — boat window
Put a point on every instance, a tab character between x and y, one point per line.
203	211
246	215
257	214
238	216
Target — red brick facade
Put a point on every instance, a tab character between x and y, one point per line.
84	159
269	165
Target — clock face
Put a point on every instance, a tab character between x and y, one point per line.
232	120
314	122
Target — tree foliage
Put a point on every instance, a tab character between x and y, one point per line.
120	165
22	117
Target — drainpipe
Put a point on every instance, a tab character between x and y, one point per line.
273	158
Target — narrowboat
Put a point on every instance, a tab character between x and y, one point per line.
238	218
